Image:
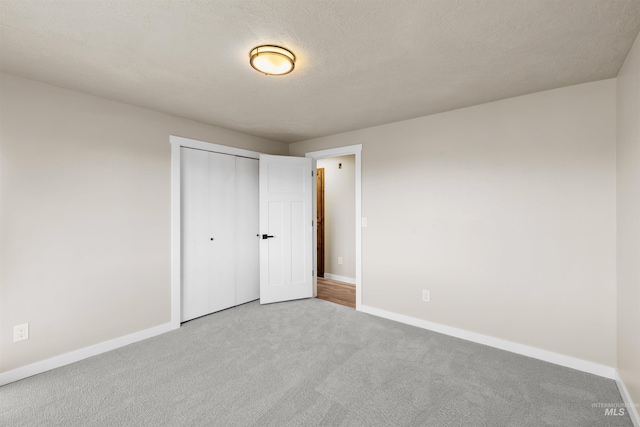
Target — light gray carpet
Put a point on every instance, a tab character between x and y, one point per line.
305	363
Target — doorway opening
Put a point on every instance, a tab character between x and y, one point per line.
356	151
335	220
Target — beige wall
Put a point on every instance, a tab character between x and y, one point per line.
628	214
504	211
85	205
340	213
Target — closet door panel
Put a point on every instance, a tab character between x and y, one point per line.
247	256
222	189
196	246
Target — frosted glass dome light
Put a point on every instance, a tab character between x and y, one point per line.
272	60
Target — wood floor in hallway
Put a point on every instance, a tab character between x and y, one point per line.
337	292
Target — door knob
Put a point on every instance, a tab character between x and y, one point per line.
264	236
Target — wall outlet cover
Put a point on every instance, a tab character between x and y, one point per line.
426	296
21	332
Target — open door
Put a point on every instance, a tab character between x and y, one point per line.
286	227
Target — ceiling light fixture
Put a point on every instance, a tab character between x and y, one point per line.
272	60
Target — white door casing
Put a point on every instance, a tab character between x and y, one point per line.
286	203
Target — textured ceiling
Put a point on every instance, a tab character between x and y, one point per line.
360	62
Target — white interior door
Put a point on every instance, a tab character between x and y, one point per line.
286	228
222	195
247	226
195	239
208	193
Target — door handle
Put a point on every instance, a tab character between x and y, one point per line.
264	236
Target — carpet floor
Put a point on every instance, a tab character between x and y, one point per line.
308	363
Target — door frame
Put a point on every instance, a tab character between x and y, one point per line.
178	142
337	152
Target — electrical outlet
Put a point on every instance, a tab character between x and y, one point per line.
340	260
426	296
364	221
21	332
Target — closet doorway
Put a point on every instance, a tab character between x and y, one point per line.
220	252
285	234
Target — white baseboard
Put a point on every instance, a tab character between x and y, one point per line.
340	278
83	353
536	353
631	407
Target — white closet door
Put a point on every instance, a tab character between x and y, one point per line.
247	227
196	245
208	232
222	190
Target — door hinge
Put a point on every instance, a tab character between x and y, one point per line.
311	173
312	223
